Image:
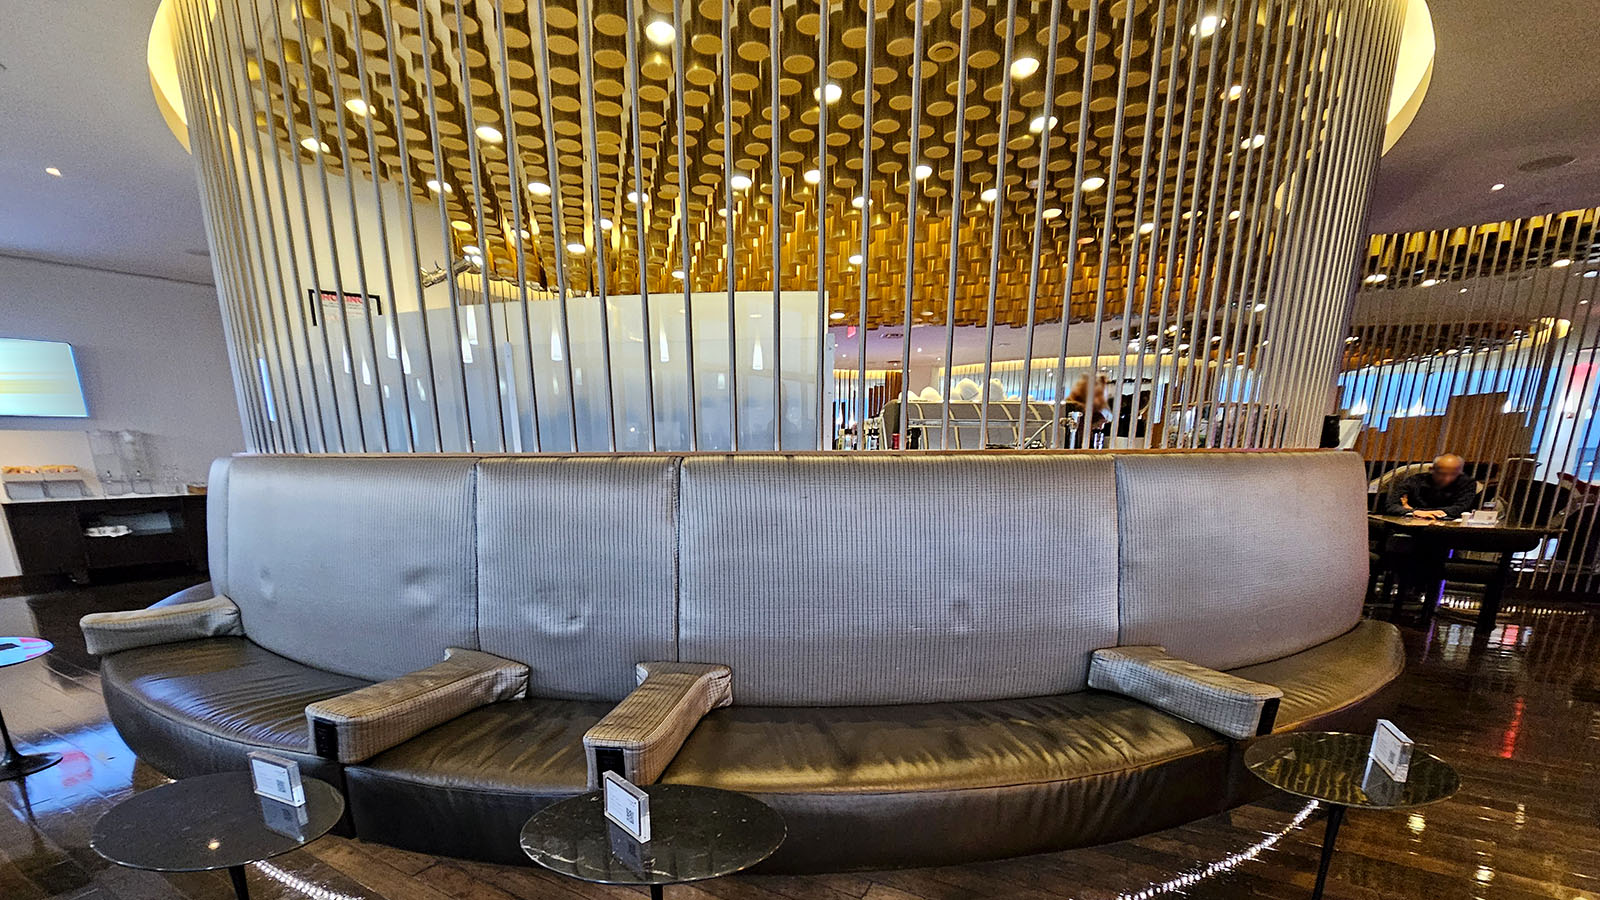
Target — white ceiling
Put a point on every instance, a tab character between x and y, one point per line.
75	94
1508	86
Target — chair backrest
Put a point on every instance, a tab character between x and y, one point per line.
1230	559
865	578
821	579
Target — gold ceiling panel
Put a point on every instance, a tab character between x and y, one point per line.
321	63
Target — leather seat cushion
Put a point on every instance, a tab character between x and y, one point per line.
197	707
1327	687
949	782
467	787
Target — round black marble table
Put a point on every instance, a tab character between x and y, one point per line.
15	650
212	822
696	833
1333	768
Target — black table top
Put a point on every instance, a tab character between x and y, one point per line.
15	650
696	833
1333	767
1461	536
211	822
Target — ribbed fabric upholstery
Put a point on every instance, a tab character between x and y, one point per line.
651	723
368	721
1224	703
577	569
1234	558
109	632
1336	675
358	565
217	523
864	578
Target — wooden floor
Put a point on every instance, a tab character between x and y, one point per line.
1518	712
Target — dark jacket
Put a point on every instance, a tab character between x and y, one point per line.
1419	490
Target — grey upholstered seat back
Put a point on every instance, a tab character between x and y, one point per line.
840	579
1230	559
577	568
358	565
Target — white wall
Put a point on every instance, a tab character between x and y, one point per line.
150	353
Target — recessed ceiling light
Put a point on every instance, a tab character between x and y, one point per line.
314	145
740	181
633	196
859	202
538	189
988	195
1253	143
660	32
606	224
832	91
1497	186
357	106
1429	282
678	274
489	134
923	171
813	176
1235	92
1023	66
855	259
438	186
1052	212
576	248
52	170
523	233
1207	26
1462	291
1561	263
1093	183
461	226
1377	278
471	250
1260	307
836	315
1234	214
1147	227
1037	125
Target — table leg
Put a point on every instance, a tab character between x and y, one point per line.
1329	835
241	890
1489	610
655	892
16	765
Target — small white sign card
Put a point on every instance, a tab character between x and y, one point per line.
627	806
277	778
1391	750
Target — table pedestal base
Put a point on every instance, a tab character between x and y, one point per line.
1329	835
655	892
15	765
241	890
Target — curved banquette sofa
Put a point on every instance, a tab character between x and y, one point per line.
906	638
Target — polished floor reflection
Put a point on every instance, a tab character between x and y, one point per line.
1517	711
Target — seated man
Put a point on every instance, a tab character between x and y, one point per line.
1439	493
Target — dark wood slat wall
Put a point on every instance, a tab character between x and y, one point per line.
1518	713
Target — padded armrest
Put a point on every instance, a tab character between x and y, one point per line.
639	737
201	591
109	632
363	723
1234	706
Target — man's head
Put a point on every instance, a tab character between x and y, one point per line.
1446	469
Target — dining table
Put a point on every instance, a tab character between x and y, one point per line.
1437	538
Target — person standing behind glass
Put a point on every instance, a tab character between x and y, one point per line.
1439	493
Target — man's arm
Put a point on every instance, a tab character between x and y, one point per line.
1398	503
1464	497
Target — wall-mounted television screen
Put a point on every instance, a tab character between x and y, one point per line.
39	378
